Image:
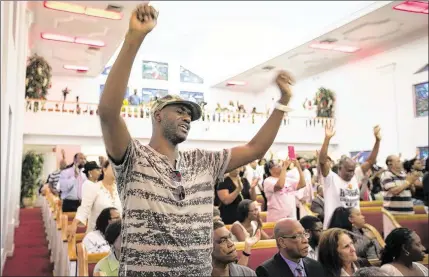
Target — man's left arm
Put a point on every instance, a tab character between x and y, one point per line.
372	159
262	141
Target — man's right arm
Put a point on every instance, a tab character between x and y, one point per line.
323	154
115	132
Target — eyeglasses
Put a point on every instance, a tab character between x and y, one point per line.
298	236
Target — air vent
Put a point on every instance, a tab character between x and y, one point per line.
114	8
268	68
329	40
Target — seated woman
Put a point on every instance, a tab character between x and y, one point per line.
353	221
337	253
248	222
94	241
231	192
401	254
110	264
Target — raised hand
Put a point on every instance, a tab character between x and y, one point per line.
254	182
284	81
143	20
329	130
377	132
287	163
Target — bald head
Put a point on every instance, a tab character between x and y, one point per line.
286	227
346	168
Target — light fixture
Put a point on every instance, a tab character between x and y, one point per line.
413	7
235	83
77	40
73	8
76	67
335	47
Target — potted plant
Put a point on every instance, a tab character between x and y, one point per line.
32	166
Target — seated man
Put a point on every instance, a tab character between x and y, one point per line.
291	261
318	203
314	227
224	255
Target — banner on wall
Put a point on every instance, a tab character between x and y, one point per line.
197	97
155	70
187	76
421	99
363	156
149	94
127	94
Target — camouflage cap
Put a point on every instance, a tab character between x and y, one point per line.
161	103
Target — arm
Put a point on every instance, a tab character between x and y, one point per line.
302	182
252	190
223	192
323	154
372	159
389	185
282	178
115	132
263	140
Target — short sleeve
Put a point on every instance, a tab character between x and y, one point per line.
387	181
328	180
226	184
359	175
123	168
217	162
269	184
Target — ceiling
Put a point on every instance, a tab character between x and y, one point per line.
59	54
375	32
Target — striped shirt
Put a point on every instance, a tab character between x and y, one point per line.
397	204
167	225
53	179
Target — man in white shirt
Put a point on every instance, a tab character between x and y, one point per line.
342	189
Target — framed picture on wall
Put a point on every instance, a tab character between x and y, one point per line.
127	94
363	156
187	76
149	94
155	70
424	152
197	97
421	99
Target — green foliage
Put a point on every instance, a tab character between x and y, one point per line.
325	102
32	166
38	77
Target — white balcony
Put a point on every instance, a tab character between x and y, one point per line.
53	118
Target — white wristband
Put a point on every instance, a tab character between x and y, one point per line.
282	107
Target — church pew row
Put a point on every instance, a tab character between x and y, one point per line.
261	251
86	262
416	222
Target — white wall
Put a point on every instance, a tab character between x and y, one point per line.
14	57
375	90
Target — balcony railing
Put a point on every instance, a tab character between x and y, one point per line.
143	113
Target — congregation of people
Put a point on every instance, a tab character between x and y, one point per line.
159	211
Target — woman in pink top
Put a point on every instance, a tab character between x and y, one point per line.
280	191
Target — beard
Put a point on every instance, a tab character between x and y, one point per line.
172	133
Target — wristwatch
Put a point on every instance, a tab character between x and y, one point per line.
282	107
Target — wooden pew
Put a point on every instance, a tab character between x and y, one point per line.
377	203
261	251
86	262
416	222
377	235
263	216
304	209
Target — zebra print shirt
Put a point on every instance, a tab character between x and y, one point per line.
164	234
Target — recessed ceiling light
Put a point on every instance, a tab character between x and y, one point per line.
73	8
77	40
76	67
335	47
413	7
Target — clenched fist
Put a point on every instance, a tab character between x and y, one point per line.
143	20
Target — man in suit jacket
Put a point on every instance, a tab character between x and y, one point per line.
318	204
291	261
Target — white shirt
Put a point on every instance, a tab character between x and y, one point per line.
282	203
306	193
339	193
95	198
313	253
95	242
251	173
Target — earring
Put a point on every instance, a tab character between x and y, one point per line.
407	253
